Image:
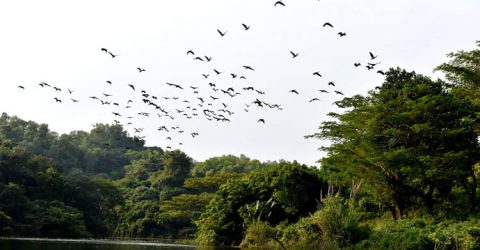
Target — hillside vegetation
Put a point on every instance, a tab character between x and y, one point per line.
401	172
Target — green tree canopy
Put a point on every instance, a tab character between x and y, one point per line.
412	141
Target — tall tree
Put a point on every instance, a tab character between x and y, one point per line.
412	141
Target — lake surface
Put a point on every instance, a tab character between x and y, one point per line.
57	244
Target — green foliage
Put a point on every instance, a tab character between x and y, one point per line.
400	141
424	233
339	220
228	164
211	183
59	220
292	187
259	234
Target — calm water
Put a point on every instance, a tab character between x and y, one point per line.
42	244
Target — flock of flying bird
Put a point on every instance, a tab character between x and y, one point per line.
213	107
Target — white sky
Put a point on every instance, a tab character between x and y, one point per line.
59	42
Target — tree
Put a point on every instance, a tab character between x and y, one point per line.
412	141
289	189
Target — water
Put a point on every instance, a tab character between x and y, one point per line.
57	244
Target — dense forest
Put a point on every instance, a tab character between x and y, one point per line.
401	172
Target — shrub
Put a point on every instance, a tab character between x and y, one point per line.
339	221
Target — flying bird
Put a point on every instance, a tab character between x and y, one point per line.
217	72
294	54
190	52
73	100
261	120
331	84
279	3
373	57
328	24
317	74
140	70
314	99
221	33
381	72
245	26
293	91
104	50
113	55
323	91
20	87
357	64
248	67
342	34
338	92
57	100
131	86
109	82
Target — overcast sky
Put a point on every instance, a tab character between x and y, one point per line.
59	42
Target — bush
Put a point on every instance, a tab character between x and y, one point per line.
339	221
424	233
259	234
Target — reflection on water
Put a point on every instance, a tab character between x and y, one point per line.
51	244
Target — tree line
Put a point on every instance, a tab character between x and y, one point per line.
401	172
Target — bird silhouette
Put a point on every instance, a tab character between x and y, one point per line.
293	91
314	99
245	26
198	58
109	82
74	100
190	52
261	120
294	55
381	72
342	34
357	65
248	67
113	55
234	75
317	74
338	92
323	91
57	100
208	58
57	89
222	34
104	50
217	72
327	24
174	85
205	75
279	3
331	84
373	57
21	87
131	86
70	91
140	70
